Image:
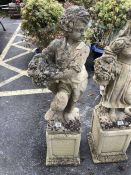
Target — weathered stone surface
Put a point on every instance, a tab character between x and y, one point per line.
62	148
60	66
113	72
108	145
111	127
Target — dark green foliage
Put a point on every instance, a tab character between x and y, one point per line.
108	18
40	18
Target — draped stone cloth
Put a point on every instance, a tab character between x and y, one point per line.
118	92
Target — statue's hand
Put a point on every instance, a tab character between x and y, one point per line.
118	45
38	55
57	76
67	73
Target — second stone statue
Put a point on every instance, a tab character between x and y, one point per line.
111	125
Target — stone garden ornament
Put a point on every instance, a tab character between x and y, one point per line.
60	67
111	126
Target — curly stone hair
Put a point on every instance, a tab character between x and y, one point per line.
71	15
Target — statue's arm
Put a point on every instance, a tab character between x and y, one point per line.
47	55
106	67
49	52
117	45
76	64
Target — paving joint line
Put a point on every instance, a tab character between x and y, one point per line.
15	69
2	56
17	56
24	92
21	47
10	80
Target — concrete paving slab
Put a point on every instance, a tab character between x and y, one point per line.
13	51
22	83
22	62
5	36
18	39
6	73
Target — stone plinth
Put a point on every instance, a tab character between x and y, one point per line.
108	145
62	148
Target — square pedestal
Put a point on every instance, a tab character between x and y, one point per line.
62	148
108	145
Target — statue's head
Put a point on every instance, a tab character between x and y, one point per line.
74	21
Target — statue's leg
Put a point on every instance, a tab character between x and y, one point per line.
71	112
112	114
128	111
128	100
71	104
128	95
58	104
53	87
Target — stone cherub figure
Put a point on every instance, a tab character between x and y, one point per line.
60	66
113	71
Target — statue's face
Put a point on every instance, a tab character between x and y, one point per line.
78	31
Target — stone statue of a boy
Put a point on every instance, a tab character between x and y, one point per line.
60	66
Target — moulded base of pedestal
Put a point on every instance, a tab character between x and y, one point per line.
62	148
108	145
62	161
104	157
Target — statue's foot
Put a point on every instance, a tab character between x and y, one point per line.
49	115
104	119
113	116
128	111
73	115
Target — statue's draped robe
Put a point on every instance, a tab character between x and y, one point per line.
119	89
